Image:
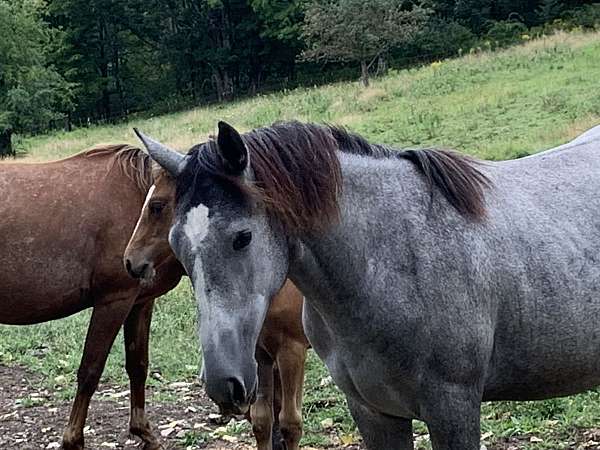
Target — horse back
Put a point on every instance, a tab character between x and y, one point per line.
64	227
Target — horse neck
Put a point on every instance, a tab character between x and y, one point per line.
378	195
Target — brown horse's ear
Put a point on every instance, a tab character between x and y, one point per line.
232	148
168	159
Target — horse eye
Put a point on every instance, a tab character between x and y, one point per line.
156	207
242	239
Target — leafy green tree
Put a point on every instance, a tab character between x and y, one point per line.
281	30
358	31
282	19
549	10
474	13
32	92
98	44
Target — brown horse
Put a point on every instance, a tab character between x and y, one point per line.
281	349
63	228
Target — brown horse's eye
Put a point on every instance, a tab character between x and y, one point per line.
156	208
242	240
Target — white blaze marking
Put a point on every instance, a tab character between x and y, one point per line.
148	196
202	301
196	225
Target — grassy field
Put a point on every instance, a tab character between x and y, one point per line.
492	105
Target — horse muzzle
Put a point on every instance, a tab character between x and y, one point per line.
231	395
143	270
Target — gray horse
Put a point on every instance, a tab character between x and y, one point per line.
432	281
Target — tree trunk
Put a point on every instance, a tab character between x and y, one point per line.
381	66
68	122
364	73
6	148
218	83
220	32
104	73
117	75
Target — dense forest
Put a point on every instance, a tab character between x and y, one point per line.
66	63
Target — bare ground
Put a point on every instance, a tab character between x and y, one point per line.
33	418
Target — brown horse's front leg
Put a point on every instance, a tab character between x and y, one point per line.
290	361
137	330
106	320
261	411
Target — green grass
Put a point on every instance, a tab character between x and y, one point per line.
492	105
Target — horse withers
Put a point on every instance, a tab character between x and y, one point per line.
432	281
282	345
64	226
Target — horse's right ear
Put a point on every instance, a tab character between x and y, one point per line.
232	149
168	159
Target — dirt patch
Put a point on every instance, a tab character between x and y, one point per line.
32	418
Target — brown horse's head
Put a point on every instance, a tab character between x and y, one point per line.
149	247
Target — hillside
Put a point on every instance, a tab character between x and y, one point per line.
492	105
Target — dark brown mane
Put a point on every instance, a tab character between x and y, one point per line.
298	176
457	176
132	161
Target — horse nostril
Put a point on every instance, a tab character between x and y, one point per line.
237	391
128	267
136	273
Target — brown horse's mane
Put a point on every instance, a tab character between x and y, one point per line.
132	161
297	174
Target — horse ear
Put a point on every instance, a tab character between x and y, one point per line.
232	148
168	159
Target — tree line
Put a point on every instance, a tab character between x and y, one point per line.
66	63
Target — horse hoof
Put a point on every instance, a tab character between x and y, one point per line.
153	446
72	444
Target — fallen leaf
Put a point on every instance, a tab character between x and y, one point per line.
487	435
326	381
327	423
348	439
221	431
228	438
179	384
167	431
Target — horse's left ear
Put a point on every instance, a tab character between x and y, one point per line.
232	148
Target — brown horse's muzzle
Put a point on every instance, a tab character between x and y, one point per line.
139	270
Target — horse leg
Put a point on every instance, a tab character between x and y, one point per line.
380	431
202	372
136	334
261	411
276	438
106	320
452	417
290	362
